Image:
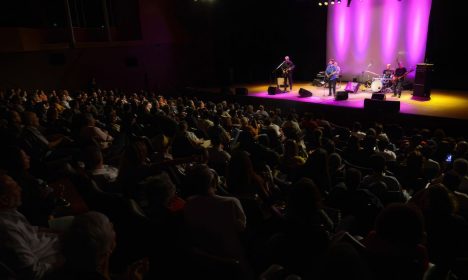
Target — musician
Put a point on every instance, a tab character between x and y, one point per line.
387	75
287	68
331	74
398	79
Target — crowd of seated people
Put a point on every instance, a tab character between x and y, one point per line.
178	188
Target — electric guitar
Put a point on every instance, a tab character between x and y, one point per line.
327	76
397	78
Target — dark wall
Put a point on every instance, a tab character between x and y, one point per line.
219	43
445	45
252	37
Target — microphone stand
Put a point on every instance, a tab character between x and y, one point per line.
275	72
279	66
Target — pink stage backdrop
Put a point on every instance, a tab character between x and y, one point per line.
371	33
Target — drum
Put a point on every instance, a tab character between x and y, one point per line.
376	86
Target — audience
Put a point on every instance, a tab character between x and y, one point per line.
30	252
282	185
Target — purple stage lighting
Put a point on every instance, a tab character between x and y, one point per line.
376	33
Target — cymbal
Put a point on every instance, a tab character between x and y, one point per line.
371	73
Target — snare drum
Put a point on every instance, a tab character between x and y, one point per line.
376	85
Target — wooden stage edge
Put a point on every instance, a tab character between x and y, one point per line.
451	104
447	109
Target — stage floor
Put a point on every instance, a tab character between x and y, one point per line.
443	103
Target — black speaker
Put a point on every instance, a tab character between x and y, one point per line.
304	93
341	95
422	80
381	106
242	91
273	90
352	87
378	96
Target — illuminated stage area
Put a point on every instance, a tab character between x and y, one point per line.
443	103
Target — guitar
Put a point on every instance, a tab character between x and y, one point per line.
286	70
397	78
327	76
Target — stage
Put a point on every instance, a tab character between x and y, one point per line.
442	104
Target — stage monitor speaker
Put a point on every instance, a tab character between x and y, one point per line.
341	95
378	96
242	91
381	106
273	90
304	93
352	87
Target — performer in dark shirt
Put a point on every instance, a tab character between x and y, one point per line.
398	79
387	76
287	68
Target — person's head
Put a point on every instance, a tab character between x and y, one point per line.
378	163
451	180
437	200
400	64
10	193
334	161
388	66
400	224
135	155
202	180
290	148
89	242
353	178
89	119
14	118
286	58
304	198
331	61
31	119
460	165
161	190
14	160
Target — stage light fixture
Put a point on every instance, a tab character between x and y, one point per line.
320	4
326	3
332	2
339	1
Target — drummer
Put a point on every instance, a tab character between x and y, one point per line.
387	75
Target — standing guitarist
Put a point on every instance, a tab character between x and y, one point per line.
331	74
287	67
398	79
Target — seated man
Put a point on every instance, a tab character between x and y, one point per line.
29	252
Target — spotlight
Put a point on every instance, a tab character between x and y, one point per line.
339	1
332	2
320	4
326	3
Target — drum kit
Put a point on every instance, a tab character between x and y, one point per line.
379	84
